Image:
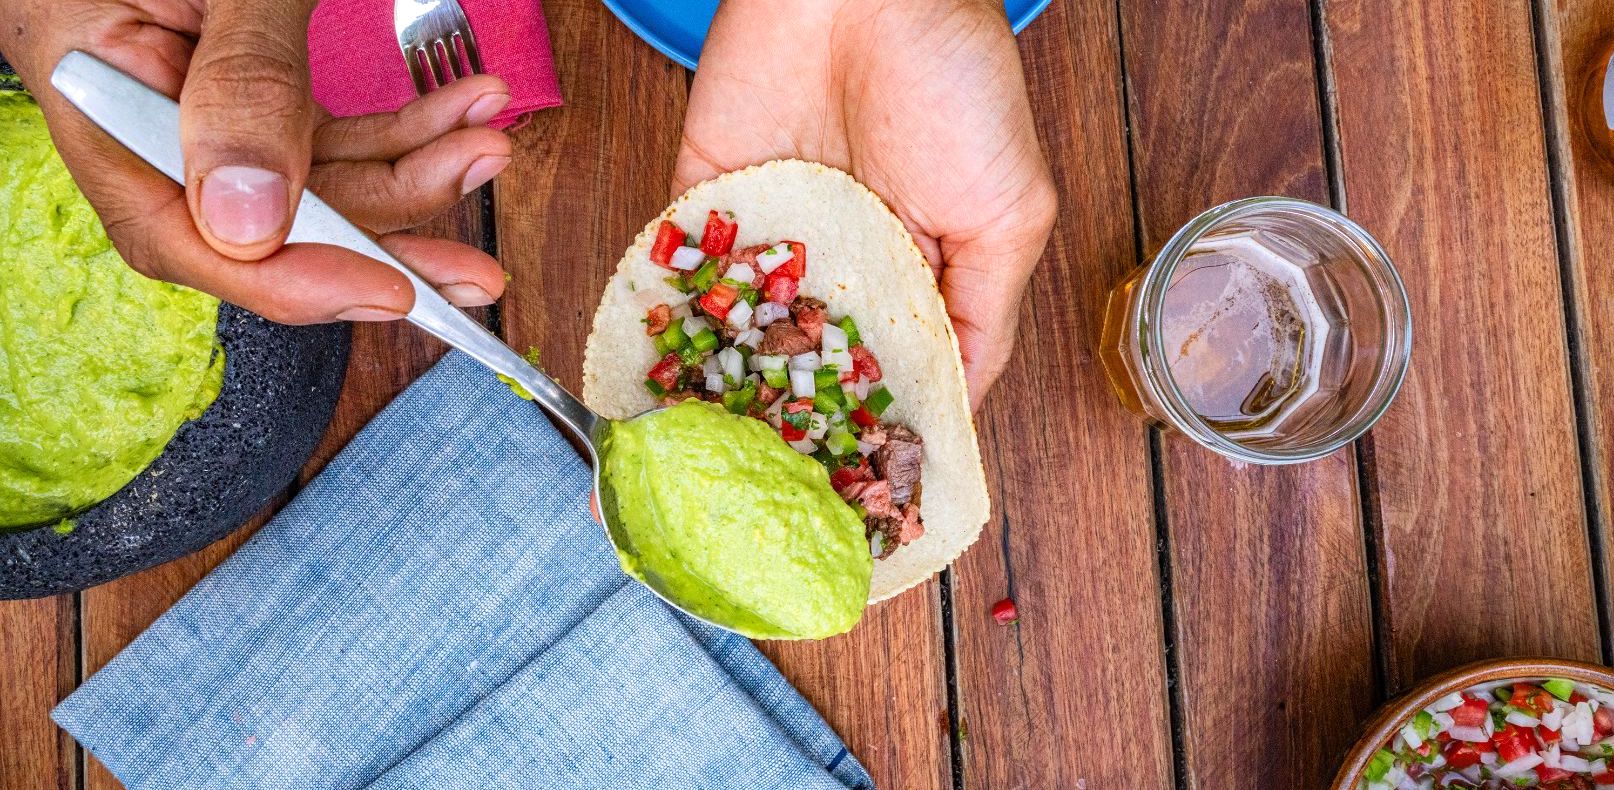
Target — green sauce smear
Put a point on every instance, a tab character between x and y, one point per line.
715	512
99	366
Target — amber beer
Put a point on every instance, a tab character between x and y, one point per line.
1271	330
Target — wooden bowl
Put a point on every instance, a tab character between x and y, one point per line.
1397	712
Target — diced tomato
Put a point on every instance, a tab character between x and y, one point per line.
656	321
1604	778
848	475
1575	698
1514	742
717	301
718	238
791	433
1531	697
780	288
865	363
666	372
1462	754
864	418
1547	773
811	320
796	267
1005	612
1471	713
1603	721
669	237
1548	737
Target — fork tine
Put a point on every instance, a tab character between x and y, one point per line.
415	72
469	43
453	55
436	61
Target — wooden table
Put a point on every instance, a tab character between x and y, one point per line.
1184	622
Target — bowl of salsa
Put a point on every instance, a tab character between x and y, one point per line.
1505	723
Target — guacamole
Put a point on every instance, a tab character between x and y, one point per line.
715	512
99	366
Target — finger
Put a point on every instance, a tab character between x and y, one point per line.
246	123
464	275
388	196
984	282
466	103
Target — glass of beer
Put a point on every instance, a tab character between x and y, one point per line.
1269	329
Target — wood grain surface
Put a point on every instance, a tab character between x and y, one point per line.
1268	578
1484	548
1072	538
38	667
1576	37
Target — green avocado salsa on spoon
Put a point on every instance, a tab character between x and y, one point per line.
712	511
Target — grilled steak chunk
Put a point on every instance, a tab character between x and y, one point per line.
781	338
897	460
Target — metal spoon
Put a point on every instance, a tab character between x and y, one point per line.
147	123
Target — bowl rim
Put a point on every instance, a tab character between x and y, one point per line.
1394	713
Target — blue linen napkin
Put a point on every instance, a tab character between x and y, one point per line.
438	610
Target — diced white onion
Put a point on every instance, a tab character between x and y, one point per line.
803	446
771	361
807	361
1522	719
740	314
741	273
1443	722
1598	766
711	366
820	426
715	383
754	378
1550	757
1570	762
772	414
1447	702
833	339
1470	734
1409	733
1554	719
687	258
774	257
750	338
695	324
864	448
733	364
801	384
1519	767
876	544
769	312
862	388
681	310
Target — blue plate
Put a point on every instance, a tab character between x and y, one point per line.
679	28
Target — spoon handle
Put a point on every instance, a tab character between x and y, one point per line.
147	123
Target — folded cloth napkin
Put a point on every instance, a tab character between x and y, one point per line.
358	69
438	610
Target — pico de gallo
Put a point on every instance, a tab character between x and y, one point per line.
1548	733
747	338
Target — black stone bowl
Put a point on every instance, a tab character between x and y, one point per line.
280	388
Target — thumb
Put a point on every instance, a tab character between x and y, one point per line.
246	124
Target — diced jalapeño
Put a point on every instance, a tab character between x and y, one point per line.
674	336
840	443
655	388
878	401
704	340
824	378
739	401
705	276
660	342
778	379
824	403
849	326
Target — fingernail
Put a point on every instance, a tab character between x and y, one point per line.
482	110
243	205
369	314
466	294
482	171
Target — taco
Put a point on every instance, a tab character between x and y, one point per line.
790	293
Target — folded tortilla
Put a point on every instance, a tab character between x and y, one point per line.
863	263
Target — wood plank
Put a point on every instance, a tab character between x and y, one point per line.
1576	42
39	662
1268	569
563	221
1484	537
1073	536
385	358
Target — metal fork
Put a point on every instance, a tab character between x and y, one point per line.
434	31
